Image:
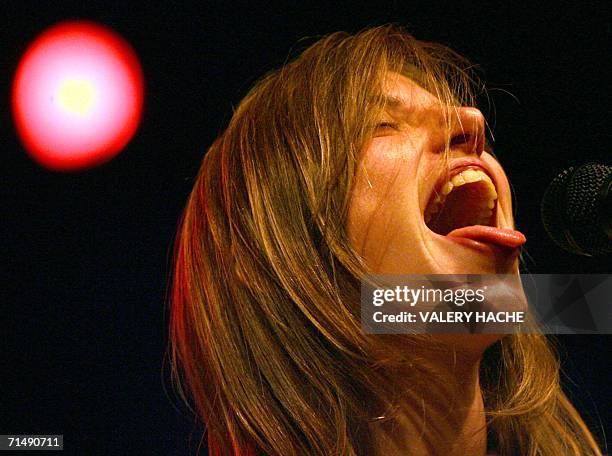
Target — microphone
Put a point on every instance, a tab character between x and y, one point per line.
576	209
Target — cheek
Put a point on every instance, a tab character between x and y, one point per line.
381	190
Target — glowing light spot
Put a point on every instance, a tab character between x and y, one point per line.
77	96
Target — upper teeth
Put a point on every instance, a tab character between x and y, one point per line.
467	176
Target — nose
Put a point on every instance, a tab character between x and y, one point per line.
467	131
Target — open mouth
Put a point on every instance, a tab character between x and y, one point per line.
467	198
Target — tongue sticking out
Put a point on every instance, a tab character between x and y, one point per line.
502	237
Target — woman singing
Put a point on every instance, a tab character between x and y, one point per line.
338	165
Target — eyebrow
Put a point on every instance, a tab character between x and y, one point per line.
395	103
393	100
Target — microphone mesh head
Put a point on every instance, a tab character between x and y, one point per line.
572	211
552	214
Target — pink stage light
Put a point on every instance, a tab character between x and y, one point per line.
77	96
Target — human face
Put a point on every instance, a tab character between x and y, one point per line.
400	173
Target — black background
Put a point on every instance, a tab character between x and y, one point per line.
86	255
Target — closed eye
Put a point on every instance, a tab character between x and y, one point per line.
387	125
385	128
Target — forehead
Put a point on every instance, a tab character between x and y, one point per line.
401	92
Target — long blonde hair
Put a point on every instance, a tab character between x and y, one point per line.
265	335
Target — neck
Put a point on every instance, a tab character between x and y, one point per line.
444	412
